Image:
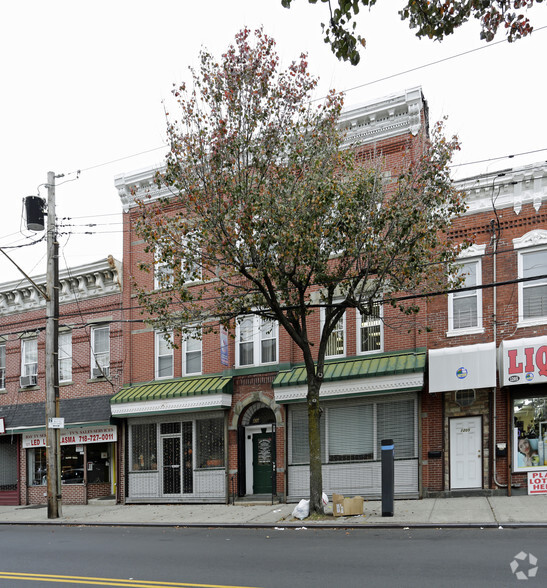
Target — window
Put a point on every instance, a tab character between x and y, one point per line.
256	341
191	352
300	448
143	447
164	355
351	433
100	351
190	267
210	443
29	361
530	433
2	366
65	357
72	466
465	308
163	272
370	332
533	294
336	345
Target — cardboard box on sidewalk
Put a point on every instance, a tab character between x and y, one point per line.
343	507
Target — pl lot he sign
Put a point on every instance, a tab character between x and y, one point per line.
537	482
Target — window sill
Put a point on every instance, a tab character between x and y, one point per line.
542	320
462	332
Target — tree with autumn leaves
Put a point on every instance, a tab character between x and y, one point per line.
271	213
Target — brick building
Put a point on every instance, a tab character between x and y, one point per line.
223	417
90	370
486	395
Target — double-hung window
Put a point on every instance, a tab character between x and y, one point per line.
465	307
29	362
164	355
191	352
100	351
532	261
65	356
370	332
163	271
336	344
257	341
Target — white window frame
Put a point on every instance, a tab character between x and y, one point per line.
192	346
339	328
2	366
29	345
100	358
163	272
471	255
65	354
370	322
531	242
258	329
163	349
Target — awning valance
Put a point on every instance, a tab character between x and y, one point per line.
173	395
462	368
371	374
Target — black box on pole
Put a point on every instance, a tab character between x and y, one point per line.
388	477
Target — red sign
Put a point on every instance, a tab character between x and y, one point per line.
537	482
524	361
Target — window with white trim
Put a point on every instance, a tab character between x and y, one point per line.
100	351
336	344
533	294
257	341
465	308
164	356
65	356
370	331
2	366
29	357
192	352
163	271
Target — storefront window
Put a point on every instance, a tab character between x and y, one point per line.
143	443
98	463
530	433
72	465
210	443
37	465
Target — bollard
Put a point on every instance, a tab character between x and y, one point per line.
388	477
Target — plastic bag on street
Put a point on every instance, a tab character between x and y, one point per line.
301	510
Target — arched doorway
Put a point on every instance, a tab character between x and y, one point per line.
257	456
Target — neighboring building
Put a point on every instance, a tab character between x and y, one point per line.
224	417
90	368
473	423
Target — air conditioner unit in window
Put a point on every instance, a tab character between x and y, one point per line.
100	372
27	381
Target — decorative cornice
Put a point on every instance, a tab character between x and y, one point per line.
363	386
209	402
531	239
506	188
85	282
377	120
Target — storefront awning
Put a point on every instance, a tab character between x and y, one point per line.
462	368
173	396
372	374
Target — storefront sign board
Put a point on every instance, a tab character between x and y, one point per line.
523	361
537	482
77	436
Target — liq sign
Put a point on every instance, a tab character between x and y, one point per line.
523	361
537	482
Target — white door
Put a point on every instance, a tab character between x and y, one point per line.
465	453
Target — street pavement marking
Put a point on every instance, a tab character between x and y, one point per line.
107	581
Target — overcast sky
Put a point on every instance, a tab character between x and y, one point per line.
83	84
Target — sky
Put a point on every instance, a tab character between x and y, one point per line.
83	87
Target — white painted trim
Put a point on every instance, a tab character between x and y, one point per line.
174	405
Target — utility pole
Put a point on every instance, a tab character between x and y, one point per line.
53	453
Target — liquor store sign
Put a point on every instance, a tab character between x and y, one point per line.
76	436
523	361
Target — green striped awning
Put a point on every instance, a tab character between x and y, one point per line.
370	366
173	389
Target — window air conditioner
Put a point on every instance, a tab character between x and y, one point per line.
27	381
100	372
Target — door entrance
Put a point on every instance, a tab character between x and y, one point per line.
262	463
466	452
9	485
171	465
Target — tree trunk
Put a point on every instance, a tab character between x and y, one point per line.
314	434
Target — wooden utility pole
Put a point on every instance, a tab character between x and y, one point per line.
53	453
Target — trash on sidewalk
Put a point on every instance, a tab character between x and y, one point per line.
301	510
343	507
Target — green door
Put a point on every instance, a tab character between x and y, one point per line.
262	463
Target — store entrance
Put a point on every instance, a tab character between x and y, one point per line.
177	459
9	487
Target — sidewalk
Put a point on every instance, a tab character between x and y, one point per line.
433	512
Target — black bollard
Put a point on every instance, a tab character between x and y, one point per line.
388	477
